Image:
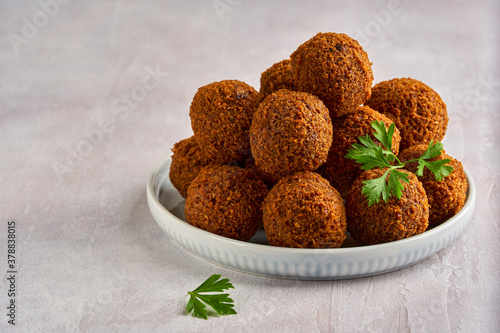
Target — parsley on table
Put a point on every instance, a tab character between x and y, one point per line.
370	155
221	303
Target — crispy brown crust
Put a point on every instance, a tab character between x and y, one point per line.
304	211
291	131
386	221
418	111
446	197
278	76
335	68
221	114
251	166
227	201
339	170
187	161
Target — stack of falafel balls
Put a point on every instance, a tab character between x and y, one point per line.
276	158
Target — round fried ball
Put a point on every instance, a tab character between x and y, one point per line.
447	196
339	170
187	161
386	221
278	76
335	68
302	210
291	131
227	201
221	114
418	111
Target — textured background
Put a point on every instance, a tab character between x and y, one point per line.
83	122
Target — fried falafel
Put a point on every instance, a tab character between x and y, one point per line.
278	76
227	201
187	161
302	210
221	114
418	111
386	221
335	68
447	196
290	132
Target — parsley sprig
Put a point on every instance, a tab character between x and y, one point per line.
221	303
370	155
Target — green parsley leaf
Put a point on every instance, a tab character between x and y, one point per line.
370	155
385	186
438	168
432	151
374	188
221	303
384	136
395	186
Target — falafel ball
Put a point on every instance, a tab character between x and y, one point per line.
227	201
339	170
291	131
187	161
386	221
221	114
278	76
302	210
418	111
335	68
447	196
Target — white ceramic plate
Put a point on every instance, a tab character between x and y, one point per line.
258	257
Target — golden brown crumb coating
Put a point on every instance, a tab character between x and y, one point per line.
304	211
418	111
268	180
291	131
447	196
335	68
278	76
339	170
227	201
221	114
386	221
187	161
